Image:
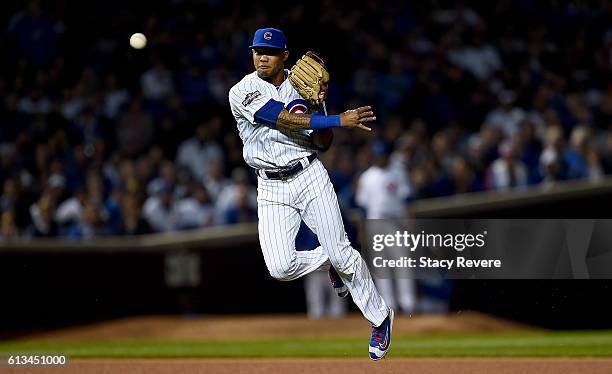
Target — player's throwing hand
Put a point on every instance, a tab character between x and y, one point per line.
356	117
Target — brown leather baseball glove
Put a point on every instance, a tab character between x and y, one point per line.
310	78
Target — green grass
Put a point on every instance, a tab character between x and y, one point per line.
566	344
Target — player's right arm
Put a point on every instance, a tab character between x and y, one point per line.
354	118
255	102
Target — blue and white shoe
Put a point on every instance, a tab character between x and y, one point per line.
381	338
337	283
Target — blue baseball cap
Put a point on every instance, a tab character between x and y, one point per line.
269	38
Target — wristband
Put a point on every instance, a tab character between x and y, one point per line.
318	121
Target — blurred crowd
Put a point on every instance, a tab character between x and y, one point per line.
97	138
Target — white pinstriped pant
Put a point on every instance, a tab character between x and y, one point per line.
310	196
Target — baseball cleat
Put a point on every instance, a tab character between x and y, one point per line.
337	283
381	338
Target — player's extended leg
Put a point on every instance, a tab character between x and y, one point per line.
279	223
322	214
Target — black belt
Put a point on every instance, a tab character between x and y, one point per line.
289	172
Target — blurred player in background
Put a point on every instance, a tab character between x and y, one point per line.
382	191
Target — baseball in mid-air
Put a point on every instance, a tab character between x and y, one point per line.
138	41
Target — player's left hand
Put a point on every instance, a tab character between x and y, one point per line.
310	78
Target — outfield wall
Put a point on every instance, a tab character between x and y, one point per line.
47	283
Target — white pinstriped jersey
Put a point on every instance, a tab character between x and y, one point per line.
265	147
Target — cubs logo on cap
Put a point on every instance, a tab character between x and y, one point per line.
269	38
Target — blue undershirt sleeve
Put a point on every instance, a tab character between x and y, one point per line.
268	114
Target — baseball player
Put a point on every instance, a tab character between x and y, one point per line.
381	191
281	140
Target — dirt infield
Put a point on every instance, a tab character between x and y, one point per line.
274	326
336	366
222	329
